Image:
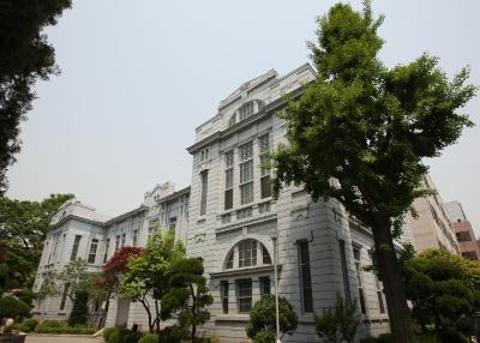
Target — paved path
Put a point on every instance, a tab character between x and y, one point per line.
62	339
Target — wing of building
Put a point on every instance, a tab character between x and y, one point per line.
229	218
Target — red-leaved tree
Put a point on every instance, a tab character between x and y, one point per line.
117	265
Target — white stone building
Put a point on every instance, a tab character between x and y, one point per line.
228	217
233	217
78	231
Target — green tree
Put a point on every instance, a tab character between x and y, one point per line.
262	325
75	277
79	313
23	230
445	292
188	296
340	323
25	57
147	278
359	132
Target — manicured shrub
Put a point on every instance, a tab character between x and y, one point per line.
11	307
120	336
53	323
31	324
26	326
383	338
64	329
149	338
133	337
173	334
108	332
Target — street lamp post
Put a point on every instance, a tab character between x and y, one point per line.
277	314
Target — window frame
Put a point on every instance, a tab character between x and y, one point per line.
305	274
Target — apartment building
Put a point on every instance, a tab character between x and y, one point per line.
464	231
431	228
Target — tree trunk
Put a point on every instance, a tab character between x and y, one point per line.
391	275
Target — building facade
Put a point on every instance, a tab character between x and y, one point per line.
235	222
431	228
78	231
464	231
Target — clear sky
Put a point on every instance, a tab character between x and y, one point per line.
139	76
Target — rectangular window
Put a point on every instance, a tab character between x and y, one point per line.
76	244
107	246
244	295
358	269
229	161
246	173
172	223
264	145
64	297
203	192
224	296
305	276
117	242
93	251
266	256
381	304
204	154
343	260
247	253
264	284
135	236
124	238
463	236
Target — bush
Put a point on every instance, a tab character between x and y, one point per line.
262	317
173	334
108	332
11	307
133	337
123	336
383	338
26	326
53	323
31	324
149	338
60	327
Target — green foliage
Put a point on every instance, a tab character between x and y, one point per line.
262	318
173	334
11	307
149	338
79	313
359	133
383	338
133	337
124	336
148	274
61	327
107	332
27	325
188	295
340	323
444	290
23	231
25	57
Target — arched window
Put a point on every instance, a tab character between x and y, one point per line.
248	253
245	110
